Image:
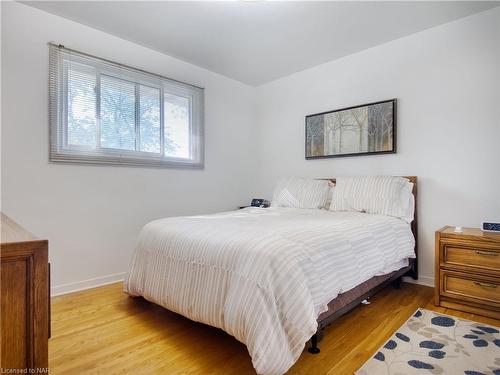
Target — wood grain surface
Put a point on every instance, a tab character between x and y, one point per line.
103	331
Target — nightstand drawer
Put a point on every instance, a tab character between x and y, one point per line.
484	258
470	288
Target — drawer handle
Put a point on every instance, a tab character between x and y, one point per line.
489	253
485	285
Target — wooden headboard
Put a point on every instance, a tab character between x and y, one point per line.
414	226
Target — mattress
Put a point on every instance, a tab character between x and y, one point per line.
264	275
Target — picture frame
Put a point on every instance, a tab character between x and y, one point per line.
366	129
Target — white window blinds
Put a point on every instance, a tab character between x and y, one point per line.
105	112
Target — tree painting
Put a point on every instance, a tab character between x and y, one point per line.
358	130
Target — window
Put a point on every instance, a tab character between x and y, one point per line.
104	112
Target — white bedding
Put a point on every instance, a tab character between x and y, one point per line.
264	274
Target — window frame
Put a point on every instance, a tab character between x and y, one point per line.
61	151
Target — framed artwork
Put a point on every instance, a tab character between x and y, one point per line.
360	130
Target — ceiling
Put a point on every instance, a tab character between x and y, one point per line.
259	41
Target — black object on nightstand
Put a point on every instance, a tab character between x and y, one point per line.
257	202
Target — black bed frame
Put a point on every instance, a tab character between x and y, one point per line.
394	280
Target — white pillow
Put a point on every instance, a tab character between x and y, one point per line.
383	195
408	201
300	193
409	215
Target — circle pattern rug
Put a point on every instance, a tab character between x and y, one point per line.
431	343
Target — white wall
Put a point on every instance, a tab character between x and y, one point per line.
447	82
92	214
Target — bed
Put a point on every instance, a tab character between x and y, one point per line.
345	302
273	278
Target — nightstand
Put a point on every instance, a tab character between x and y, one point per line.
468	271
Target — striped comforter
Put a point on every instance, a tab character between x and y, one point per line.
264	275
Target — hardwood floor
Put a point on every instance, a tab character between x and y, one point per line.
103	331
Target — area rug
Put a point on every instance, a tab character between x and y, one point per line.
431	343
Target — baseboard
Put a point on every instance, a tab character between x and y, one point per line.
58	290
422	280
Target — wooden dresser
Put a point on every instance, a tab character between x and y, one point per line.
24	292
468	271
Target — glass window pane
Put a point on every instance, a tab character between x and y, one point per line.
81	120
101	112
177	126
117	113
149	119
